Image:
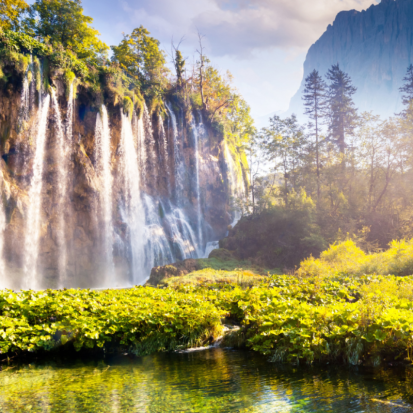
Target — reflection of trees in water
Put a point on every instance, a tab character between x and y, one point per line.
212	380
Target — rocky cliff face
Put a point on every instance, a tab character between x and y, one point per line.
374	47
85	257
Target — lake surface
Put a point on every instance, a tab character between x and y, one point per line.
214	380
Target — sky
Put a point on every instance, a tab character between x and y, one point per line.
263	43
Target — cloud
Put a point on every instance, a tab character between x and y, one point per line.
239	28
244	26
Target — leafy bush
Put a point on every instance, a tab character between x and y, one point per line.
347	258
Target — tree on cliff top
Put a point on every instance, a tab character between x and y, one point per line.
11	12
342	112
63	22
140	56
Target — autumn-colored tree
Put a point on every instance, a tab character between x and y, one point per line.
11	12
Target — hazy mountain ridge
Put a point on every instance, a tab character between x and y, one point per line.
374	47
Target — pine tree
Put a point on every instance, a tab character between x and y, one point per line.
315	103
341	110
407	91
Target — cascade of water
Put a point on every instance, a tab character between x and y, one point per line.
134	212
157	249
182	235
69	115
62	153
150	143
236	185
25	101
103	168
179	164
195	134
164	145
141	148
32	233
3	279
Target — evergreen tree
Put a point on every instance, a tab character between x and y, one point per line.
315	103
407	91
341	111
179	66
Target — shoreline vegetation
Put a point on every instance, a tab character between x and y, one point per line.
330	310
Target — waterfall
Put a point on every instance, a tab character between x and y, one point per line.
134	212
179	166
158	250
182	235
195	135
32	233
2	229
150	145
236	186
69	116
164	150
141	147
62	171
103	169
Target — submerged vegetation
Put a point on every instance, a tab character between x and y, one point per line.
333	309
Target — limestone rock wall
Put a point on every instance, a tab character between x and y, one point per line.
374	47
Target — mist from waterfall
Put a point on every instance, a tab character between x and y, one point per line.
103	169
33	219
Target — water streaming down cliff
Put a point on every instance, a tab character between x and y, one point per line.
33	220
62	153
236	184
195	136
134	213
103	169
104	208
178	161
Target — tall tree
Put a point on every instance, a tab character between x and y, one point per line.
407	92
11	12
315	103
342	112
284	143
63	22
201	64
179	62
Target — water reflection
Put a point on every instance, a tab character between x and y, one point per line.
208	381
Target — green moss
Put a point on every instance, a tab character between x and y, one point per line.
69	78
128	106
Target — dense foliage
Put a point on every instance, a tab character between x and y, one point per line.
330	310
356	166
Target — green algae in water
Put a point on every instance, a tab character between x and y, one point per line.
214	380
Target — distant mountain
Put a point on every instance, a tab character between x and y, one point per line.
374	46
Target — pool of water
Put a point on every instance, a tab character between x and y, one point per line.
214	380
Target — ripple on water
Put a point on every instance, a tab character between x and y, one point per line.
215	380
